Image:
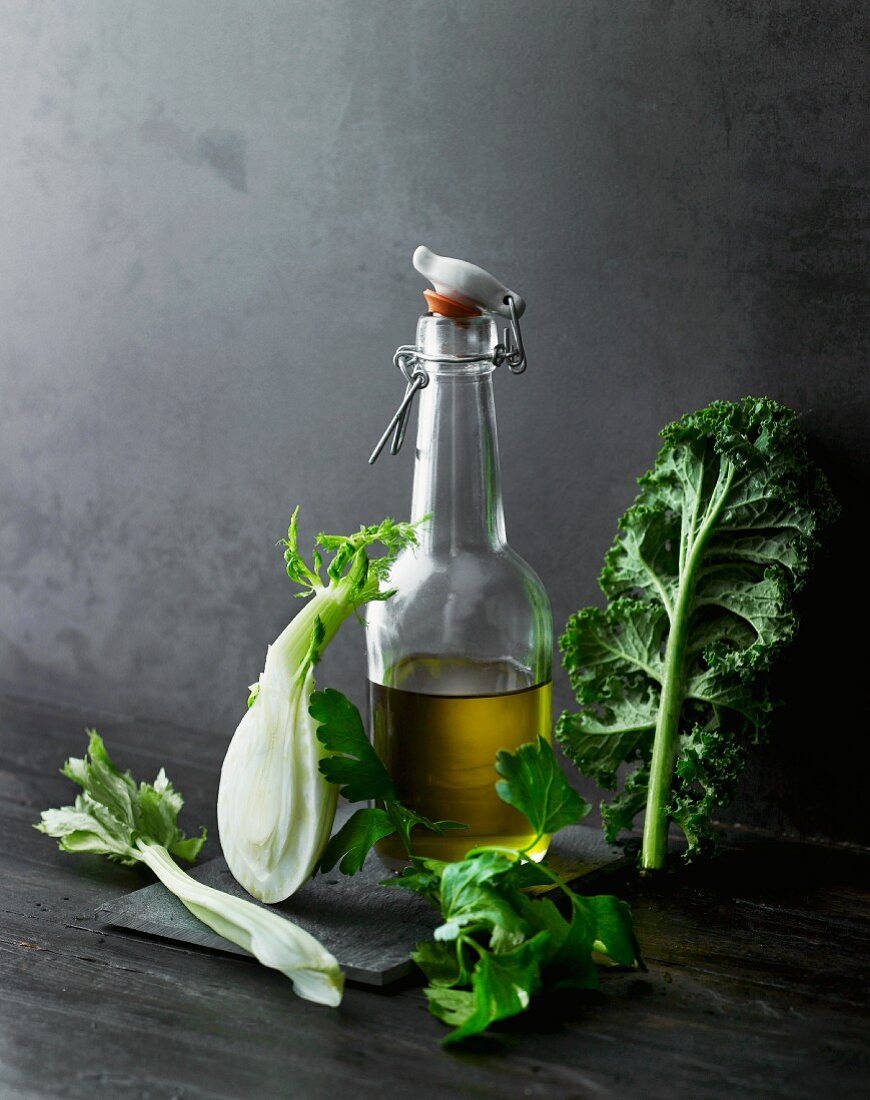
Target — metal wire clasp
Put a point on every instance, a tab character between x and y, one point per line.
512	351
411	363
416	379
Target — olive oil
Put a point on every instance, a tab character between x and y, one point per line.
438	729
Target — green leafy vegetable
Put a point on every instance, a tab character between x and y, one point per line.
496	947
350	846
134	824
471	896
452	1006
275	808
503	986
506	945
355	767
535	785
701	581
614	933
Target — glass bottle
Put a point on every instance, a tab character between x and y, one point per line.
460	658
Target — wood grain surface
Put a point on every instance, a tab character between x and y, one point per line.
756	987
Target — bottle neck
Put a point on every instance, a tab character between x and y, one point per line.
457	477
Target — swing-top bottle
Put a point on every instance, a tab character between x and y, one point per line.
460	658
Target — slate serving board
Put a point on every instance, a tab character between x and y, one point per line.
369	929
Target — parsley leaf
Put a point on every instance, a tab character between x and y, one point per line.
614	931
452	1006
355	765
470	894
497	947
441	963
535	785
502	986
357	768
355	839
405	820
422	877
489	924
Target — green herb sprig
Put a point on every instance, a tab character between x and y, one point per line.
497	946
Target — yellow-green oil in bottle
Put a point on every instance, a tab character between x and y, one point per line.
437	728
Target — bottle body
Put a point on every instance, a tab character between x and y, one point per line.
460	658
441	750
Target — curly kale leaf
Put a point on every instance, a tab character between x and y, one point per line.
701	580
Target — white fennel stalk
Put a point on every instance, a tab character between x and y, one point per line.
134	824
275	808
272	940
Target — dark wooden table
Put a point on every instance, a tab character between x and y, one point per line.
756	987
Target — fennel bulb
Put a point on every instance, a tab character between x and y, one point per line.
129	824
275	808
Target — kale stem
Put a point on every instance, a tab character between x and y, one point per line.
664	755
654	848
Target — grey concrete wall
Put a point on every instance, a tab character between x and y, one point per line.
207	214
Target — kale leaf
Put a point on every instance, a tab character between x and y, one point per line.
701	581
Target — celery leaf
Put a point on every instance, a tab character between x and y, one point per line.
111	812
